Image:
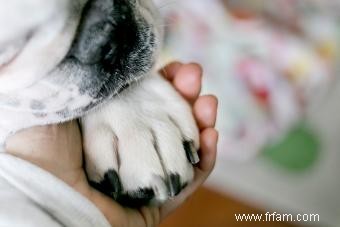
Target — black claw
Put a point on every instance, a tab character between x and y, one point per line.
139	198
110	185
184	186
174	185
192	155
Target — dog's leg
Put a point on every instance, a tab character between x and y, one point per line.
140	147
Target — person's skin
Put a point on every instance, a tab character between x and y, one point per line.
58	149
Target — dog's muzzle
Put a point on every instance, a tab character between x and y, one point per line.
114	47
107	29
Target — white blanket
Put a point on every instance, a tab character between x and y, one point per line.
32	197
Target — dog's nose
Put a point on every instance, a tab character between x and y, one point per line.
92	45
107	27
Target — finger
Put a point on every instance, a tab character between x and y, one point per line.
170	70
207	153
118	215
188	81
209	138
114	213
205	111
151	216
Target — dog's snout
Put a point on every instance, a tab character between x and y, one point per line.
91	45
107	29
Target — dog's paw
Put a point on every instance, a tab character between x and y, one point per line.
140	147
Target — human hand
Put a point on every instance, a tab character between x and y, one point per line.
58	149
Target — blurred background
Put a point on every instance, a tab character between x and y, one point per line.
273	66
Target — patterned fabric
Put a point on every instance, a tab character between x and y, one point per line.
267	63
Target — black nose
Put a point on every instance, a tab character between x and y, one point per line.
106	29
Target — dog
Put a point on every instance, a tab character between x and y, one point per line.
95	60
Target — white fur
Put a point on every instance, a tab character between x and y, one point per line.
47	28
121	135
127	126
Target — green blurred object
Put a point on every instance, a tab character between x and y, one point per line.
297	151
